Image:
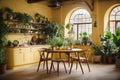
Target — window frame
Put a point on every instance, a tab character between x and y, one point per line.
77	24
115	21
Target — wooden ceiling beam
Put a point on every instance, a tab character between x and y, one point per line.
90	5
33	1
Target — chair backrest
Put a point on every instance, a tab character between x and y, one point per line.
41	52
87	53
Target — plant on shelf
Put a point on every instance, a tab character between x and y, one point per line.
3	42
27	18
9	13
39	18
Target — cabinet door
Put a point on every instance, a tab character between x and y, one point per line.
17	56
35	53
28	56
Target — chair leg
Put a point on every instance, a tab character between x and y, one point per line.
65	67
51	67
76	65
38	65
88	65
71	67
44	64
81	67
57	66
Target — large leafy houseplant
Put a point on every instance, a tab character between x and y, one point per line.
3	41
97	49
108	47
97	53
54	29
116	40
57	41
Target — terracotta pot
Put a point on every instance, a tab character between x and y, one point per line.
3	68
118	62
110	59
97	58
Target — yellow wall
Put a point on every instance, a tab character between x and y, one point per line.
31	9
100	8
24	7
62	15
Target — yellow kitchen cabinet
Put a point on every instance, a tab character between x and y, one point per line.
27	56
35	53
15	57
21	56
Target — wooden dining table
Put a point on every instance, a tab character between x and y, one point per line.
66	51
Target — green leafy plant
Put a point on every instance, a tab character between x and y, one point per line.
54	29
85	38
108	45
3	40
38	17
116	40
97	49
9	13
68	26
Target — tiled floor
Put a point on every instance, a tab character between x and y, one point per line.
98	72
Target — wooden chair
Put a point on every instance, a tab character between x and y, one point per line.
58	60
78	58
43	58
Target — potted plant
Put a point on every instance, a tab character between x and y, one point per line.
77	42
97	54
54	29
108	47
84	37
3	42
9	13
116	40
39	18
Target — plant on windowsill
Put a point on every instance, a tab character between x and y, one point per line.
85	38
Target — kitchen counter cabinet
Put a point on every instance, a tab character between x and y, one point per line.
21	56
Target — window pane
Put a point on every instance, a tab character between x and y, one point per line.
83	20
114	19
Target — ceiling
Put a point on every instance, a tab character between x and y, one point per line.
58	3
51	3
32	1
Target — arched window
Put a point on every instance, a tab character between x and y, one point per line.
114	19
81	22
